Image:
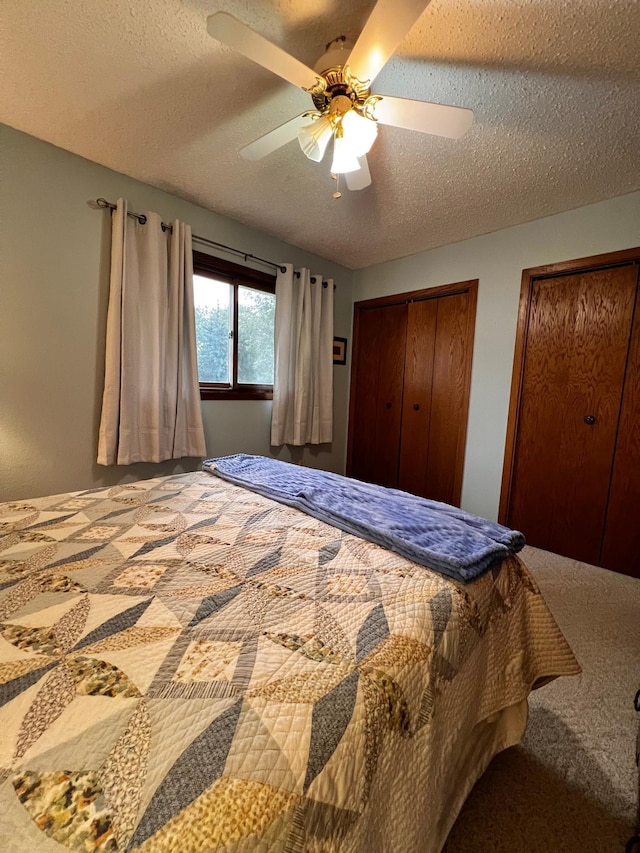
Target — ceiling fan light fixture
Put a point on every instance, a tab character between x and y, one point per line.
344	160
340	88
314	138
360	132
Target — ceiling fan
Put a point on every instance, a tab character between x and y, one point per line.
344	110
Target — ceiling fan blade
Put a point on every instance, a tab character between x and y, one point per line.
275	139
240	37
361	178
438	119
388	24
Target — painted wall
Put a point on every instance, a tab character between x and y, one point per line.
54	280
497	260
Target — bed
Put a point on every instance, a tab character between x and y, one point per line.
187	665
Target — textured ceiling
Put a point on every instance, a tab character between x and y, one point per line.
141	88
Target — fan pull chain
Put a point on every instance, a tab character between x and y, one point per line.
337	193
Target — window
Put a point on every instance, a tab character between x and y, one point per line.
234	311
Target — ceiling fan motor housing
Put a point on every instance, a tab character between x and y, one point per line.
332	67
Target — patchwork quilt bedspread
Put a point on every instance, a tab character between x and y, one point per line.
188	666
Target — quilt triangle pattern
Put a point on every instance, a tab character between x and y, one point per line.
187	666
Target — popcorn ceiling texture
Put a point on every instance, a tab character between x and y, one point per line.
141	88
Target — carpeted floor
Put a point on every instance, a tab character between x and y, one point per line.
570	787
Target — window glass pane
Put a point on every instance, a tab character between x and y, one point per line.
213	303
256	311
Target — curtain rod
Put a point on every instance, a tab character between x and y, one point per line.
104	204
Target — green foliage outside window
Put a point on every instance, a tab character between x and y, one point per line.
256	312
213	318
212	343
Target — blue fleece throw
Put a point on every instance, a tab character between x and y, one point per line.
433	534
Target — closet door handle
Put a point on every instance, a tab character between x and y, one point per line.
589	419
387	405
416	406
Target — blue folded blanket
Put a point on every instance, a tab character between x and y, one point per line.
434	534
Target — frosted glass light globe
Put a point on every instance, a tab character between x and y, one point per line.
314	138
344	160
360	132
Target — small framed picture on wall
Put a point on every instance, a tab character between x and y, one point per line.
339	350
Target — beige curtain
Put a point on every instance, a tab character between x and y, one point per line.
303	381
151	401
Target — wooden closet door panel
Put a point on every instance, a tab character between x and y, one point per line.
366	359
448	428
621	543
418	378
378	404
577	346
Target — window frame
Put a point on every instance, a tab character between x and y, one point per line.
237	276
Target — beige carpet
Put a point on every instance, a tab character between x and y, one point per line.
570	787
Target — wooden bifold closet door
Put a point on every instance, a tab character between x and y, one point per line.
572	463
410	378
